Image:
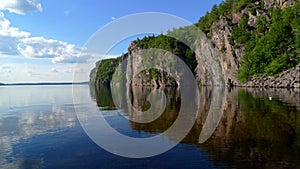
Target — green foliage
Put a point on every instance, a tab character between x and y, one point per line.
223	49
226	8
241	33
271	47
241	4
261	25
269	52
171	45
106	70
205	23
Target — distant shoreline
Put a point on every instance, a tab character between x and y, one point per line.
45	84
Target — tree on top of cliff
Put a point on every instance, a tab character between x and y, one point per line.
272	45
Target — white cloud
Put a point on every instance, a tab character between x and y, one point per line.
64	59
9	37
7	30
58	51
39	47
20	6
16	42
6	68
78	58
68	71
53	70
36	72
113	18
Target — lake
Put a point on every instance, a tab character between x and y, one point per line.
39	128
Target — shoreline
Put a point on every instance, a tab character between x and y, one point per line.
287	79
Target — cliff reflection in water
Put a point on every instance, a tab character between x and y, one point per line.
257	128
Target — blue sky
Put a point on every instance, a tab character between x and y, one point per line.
40	39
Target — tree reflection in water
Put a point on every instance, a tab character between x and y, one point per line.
253	131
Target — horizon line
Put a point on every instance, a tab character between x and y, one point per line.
43	83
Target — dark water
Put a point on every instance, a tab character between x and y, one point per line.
257	129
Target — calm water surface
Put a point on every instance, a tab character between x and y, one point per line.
258	129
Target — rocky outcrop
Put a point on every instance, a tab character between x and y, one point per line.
286	79
218	57
169	69
93	73
230	57
278	3
104	70
210	69
136	73
222	29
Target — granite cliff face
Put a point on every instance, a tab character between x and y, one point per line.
208	71
136	75
222	30
217	56
93	74
278	3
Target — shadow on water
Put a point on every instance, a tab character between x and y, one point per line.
102	95
257	128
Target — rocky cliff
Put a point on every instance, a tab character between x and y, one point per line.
222	30
199	55
206	65
215	57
